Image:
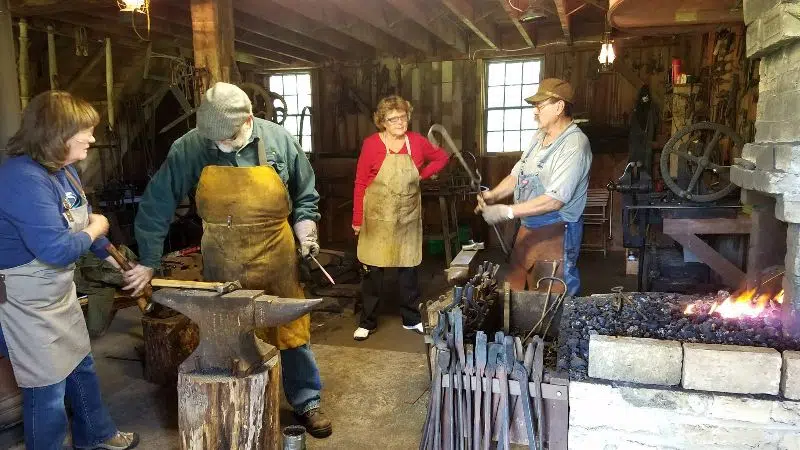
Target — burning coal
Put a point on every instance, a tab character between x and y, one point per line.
749	303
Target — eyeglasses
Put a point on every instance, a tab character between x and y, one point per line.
397	119
542	104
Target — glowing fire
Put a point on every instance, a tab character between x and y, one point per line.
745	304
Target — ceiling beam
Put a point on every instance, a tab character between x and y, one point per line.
213	39
323	13
563	17
466	14
255	25
293	21
444	30
375	13
30	8
601	4
514	16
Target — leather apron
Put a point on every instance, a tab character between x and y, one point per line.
540	240
391	234
247	237
42	319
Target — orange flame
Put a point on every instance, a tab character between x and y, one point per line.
744	304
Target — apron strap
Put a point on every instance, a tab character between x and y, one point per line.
408	145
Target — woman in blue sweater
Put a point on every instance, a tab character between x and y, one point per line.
45	226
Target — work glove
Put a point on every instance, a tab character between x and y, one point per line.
137	278
306	232
494	214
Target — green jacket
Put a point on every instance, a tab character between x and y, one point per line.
180	173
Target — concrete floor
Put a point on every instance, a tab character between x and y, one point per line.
375	391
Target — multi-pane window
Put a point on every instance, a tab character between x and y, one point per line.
295	88
510	125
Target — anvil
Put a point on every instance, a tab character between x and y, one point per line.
227	323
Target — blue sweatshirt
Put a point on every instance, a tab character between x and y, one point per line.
32	225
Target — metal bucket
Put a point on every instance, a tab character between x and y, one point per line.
294	437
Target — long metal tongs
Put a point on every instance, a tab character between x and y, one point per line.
474	175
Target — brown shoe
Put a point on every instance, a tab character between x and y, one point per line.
316	423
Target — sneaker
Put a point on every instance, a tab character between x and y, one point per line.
120	441
362	333
417	328
316	423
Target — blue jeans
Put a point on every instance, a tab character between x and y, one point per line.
45	416
301	381
572	248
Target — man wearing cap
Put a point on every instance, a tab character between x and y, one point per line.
549	184
252	180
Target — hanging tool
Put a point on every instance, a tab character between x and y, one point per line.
474	175
143	300
481	350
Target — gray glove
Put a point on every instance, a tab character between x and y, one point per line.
306	232
494	214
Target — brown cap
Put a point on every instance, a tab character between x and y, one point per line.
552	88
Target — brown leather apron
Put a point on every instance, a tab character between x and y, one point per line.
391	233
247	237
532	258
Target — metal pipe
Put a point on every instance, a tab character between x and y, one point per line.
109	84
52	62
9	93
23	62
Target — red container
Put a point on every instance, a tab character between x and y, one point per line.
676	70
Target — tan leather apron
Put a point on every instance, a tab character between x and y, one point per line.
247	237
391	233
42	320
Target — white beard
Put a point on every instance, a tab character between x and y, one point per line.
239	142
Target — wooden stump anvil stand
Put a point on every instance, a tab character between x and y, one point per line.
228	389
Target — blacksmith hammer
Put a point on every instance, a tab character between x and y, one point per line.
216	286
143	300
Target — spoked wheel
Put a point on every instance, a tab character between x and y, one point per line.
266	105
699	147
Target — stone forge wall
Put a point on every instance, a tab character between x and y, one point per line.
605	416
773	34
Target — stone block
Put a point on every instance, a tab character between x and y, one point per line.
775	28
754	8
761	154
787	208
787	156
773	182
742	177
731	368
790	375
636	360
742	409
786	413
764	131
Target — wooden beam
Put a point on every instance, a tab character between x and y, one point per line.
627	72
86	69
601	4
742	224
9	95
730	274
255	25
325	14
466	14
443	29
212	38
514	17
246	38
375	14
297	23
31	8
563	17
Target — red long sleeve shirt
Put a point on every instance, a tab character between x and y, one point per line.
428	158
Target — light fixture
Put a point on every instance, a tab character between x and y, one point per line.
607	55
532	13
132	5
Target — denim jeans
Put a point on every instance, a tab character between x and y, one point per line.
301	381
572	248
45	416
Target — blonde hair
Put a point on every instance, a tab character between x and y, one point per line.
48	122
390	103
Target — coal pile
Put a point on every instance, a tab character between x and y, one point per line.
659	316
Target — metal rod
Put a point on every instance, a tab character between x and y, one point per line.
327	275
23	62
52	61
110	84
681	207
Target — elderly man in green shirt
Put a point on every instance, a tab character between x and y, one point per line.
255	193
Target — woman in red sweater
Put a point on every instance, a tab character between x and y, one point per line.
387	209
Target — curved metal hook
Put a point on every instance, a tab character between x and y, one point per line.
474	175
554	279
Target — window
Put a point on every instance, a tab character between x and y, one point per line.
510	125
295	88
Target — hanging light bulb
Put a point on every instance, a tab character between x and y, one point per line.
131	5
607	55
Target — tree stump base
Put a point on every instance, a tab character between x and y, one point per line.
169	338
220	411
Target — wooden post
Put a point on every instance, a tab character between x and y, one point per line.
219	411
23	62
212	36
9	94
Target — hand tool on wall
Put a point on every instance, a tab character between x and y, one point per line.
503	406
491	371
449	424
536	376
481	350
474	175
470	371
520	373
143	299
458	337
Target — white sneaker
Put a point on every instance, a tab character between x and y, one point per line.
362	334
418	328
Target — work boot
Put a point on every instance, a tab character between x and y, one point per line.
362	333
418	328
120	441
316	423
